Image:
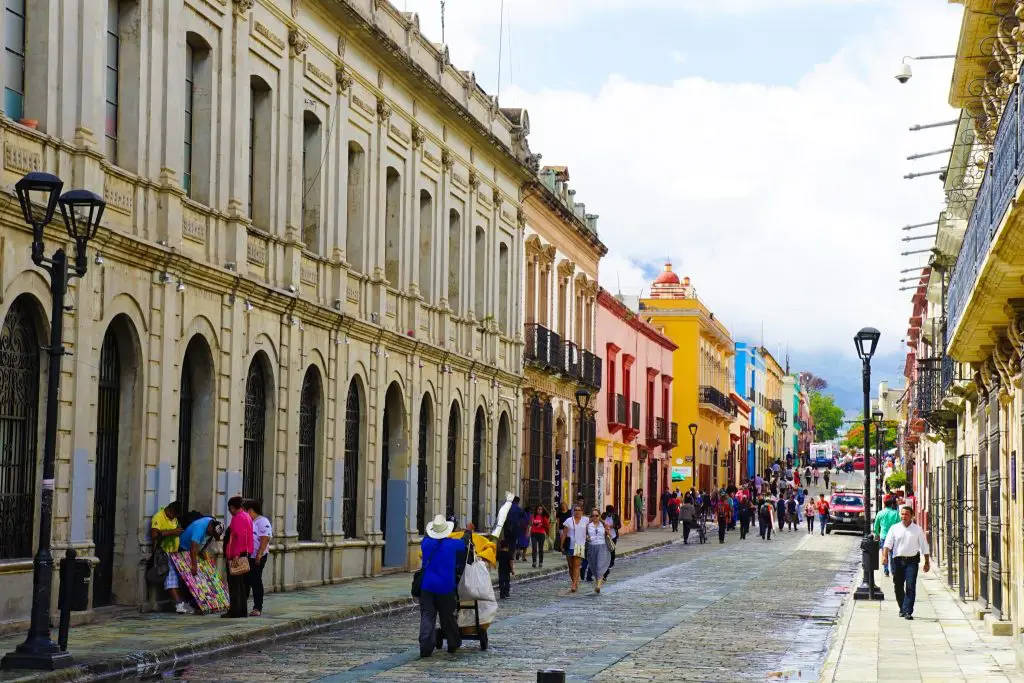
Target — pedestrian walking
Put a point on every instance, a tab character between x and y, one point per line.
539	527
507	548
688	515
815	474
822	507
791	514
724	515
780	511
564	513
746	511
574	544
614	523
884	521
665	496
514	520
638	508
438	598
598	549
827	476
262	532
238	544
905	544
673	512
765	510
809	512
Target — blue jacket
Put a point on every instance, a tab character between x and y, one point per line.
439	564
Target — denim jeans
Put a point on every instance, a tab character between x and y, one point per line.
436	607
822	519
904	578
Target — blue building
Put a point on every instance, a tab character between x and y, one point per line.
750	371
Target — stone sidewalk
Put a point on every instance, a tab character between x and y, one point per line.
144	644
942	643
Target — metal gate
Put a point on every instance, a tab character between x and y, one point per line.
995	546
478	479
453	450
385	474
949	528
255	428
105	492
982	498
309	402
353	420
421	468
184	476
653	493
546	461
964	507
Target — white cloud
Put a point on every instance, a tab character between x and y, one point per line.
782	203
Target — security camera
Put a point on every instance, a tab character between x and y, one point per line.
904	73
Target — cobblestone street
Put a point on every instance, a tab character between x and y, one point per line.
745	610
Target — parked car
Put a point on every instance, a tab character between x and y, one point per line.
846	511
858	462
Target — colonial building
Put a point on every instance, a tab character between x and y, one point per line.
308	290
635	428
703	377
560	290
771	399
750	382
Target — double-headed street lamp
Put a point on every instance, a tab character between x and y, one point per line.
866	341
39	196
879	426
780	422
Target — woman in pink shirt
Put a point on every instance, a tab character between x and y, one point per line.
238	544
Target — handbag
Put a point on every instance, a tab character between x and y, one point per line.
239	565
610	543
159	566
417	576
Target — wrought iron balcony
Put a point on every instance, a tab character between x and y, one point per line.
545	349
673	435
929	386
556	353
618	412
713	397
573	360
775	406
995	194
658	435
634	422
591	370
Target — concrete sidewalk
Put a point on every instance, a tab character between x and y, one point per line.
942	643
144	644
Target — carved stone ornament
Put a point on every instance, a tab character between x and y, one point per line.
295	8
474	180
384	110
343	79
446	159
496	197
418	136
243	6
298	42
533	162
520	218
566	268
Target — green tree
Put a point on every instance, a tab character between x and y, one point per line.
828	417
855	437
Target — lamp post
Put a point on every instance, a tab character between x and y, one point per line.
693	451
866	341
81	210
877	415
586	469
780	422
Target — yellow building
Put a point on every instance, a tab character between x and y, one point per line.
703	368
772	396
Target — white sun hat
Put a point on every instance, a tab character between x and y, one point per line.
440	527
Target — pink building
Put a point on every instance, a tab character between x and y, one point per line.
634	410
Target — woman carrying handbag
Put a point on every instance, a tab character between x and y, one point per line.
599	547
237	551
574	543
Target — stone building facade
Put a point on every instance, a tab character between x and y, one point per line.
562	252
308	290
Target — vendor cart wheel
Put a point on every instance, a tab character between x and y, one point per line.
483	639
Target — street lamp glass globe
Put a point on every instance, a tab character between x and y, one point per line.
82	211
877	415
866	340
693	429
37	194
582	398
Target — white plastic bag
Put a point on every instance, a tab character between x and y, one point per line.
476	582
486	608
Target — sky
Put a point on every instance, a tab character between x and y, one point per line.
760	145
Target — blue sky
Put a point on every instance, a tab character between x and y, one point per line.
759	144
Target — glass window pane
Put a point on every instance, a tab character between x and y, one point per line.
17	6
14	33
111	127
186	183
113	15
188	128
111	149
112	49
14	72
13	104
111	86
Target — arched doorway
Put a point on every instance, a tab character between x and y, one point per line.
118	466
504	458
423	442
257	408
353	458
479	515
19	409
309	413
394	486
454	426
196	419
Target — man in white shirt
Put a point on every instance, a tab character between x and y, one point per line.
906	543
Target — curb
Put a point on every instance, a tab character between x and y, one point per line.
147	663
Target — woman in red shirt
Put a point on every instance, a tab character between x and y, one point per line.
539	525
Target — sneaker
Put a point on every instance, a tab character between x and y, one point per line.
909	617
183	608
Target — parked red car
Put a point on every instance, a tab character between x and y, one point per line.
858	462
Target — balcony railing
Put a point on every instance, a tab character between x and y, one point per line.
929	386
590	373
712	396
620	409
775	405
635	417
659	429
572	360
995	193
674	434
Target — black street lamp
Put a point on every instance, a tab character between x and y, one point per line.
780	422
879	441
81	211
866	340
586	469
693	452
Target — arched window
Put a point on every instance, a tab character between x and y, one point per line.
532	456
312	156
196	171
454	259
422	459
260	152
426	255
392	227
453	455
255	431
355	224
309	409
480	269
19	398
478	478
108	406
353	420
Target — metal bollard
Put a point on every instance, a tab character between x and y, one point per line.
551	676
67	568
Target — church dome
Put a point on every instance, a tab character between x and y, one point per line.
667	277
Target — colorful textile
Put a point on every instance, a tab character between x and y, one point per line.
206	586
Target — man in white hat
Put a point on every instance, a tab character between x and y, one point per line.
438	597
